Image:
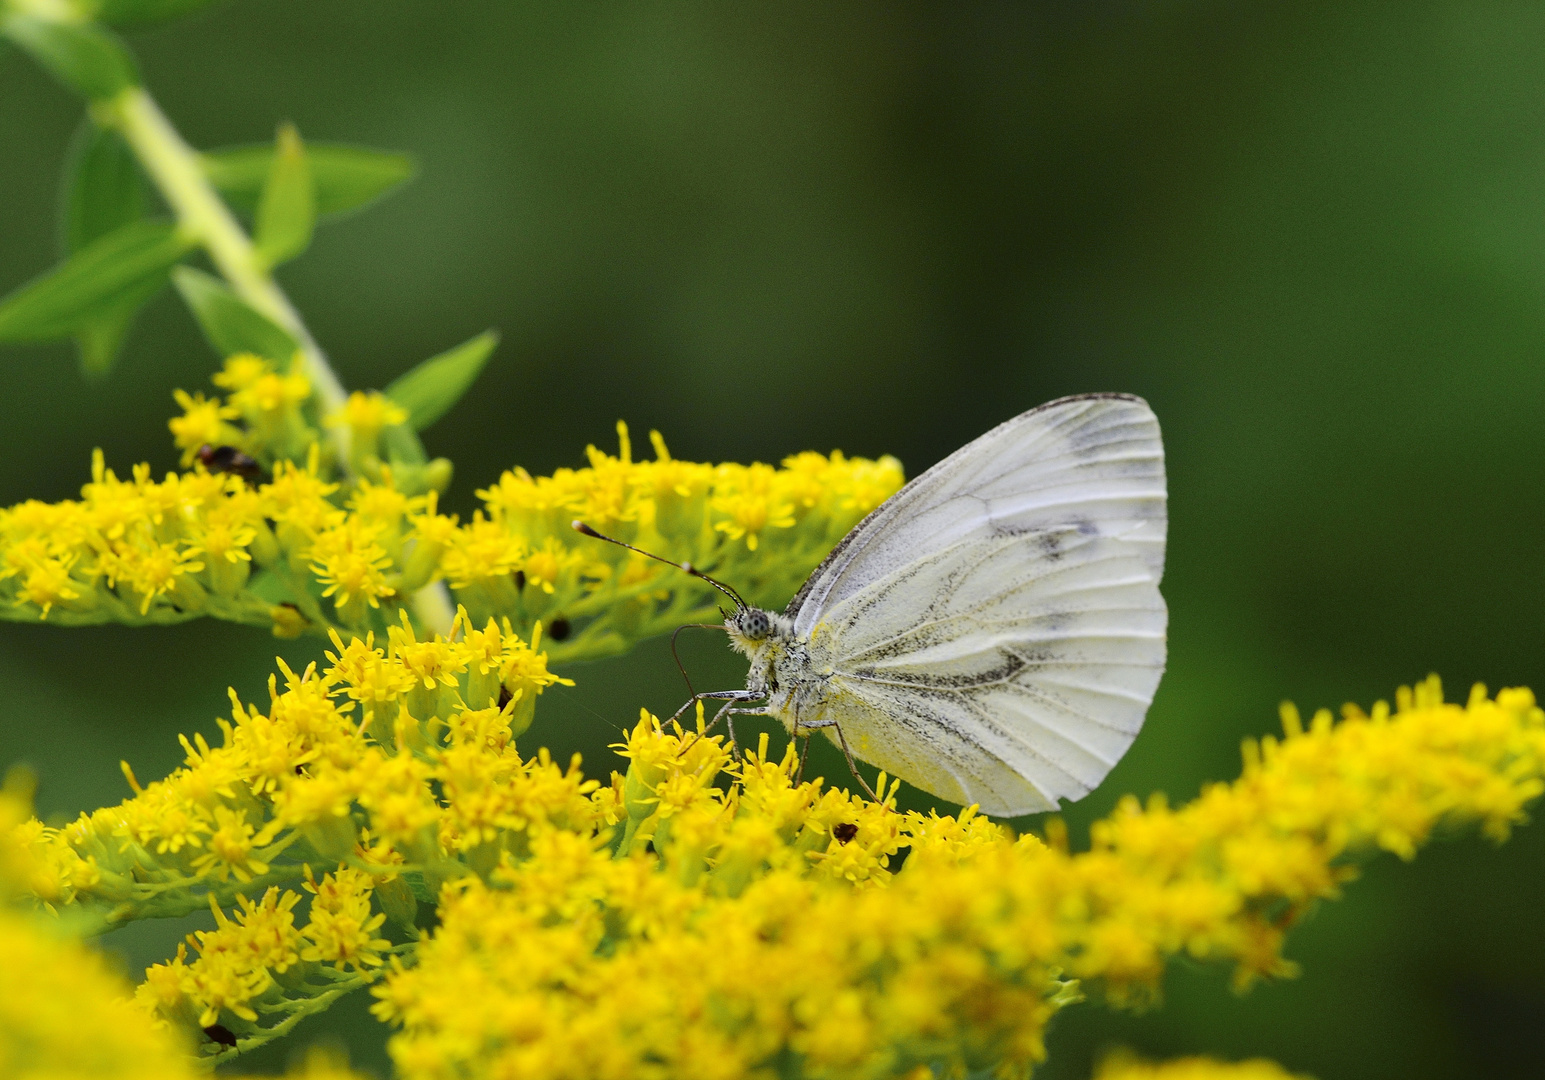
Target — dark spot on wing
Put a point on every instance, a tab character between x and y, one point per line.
1009	664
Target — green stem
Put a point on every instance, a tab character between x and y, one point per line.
302	1008
178	174
175	168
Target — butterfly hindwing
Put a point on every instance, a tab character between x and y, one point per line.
995	631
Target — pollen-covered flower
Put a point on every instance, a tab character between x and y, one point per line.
351	563
341	924
751	502
203	423
369	412
230	847
271	394
241	371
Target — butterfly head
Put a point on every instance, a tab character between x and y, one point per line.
752	629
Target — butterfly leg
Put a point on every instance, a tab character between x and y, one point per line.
730	697
846	752
853	765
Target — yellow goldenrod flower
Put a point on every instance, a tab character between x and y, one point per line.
365	415
230	848
568	909
241	371
350	562
369	412
1126	1067
300	551
962	956
203	423
751	502
63	1014
341	924
271	394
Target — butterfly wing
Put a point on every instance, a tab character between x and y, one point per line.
994	631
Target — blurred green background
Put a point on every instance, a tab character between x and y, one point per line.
1312	235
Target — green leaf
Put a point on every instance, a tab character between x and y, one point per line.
420	889
230	324
430	389
286	212
83	56
145	12
104	190
103	187
344	177
99	340
400	445
91	283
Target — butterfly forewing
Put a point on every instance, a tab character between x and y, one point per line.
995	631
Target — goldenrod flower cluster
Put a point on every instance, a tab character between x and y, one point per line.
63	1014
303	550
393	770
267	414
764	928
703	915
759	528
1126	1067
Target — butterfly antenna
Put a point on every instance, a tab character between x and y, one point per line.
677	633
581	527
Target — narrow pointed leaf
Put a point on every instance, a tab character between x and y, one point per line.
429	390
100	343
84	56
230	324
400	445
344	177
92	282
104	190
286	212
100	340
103	187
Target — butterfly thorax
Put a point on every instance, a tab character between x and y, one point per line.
782	669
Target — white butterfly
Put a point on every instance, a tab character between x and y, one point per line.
993	633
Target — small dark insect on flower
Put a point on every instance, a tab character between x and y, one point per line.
520	579
505	697
228	459
844	832
221	1034
559	630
